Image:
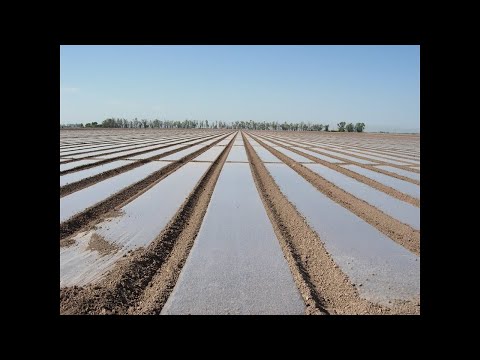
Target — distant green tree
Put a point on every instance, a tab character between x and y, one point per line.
108	123
349	127
359	127
192	124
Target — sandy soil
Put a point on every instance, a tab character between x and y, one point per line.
142	281
397	231
92	214
324	287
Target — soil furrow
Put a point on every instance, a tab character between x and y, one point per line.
365	157
81	184
370	182
142	283
395	157
93	213
365	166
386	152
391	174
324	287
391	227
156	294
105	161
84	151
319	151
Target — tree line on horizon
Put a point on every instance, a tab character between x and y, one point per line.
205	124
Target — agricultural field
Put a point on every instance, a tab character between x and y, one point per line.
204	221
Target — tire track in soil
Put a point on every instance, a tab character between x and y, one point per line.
324	287
397	231
143	281
86	182
370	182
365	166
93	213
105	161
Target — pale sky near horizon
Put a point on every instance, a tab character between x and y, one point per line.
378	85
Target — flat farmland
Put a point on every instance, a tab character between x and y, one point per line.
222	221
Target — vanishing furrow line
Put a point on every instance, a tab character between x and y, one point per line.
318	149
343	144
143	283
288	236
370	182
104	161
108	152
325	288
81	184
108	145
383	157
91	214
410	176
387	152
243	267
401	233
131	146
354	147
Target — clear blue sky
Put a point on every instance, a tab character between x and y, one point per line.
377	85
